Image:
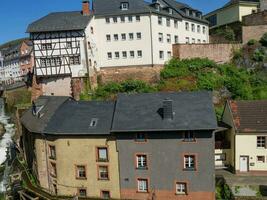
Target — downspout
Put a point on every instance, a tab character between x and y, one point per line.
86	57
151	39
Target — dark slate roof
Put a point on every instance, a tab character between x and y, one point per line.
65	116
60	21
112	8
249	116
38	125
74	117
141	112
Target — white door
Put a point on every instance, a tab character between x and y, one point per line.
243	163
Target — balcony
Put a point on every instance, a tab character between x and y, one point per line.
222	144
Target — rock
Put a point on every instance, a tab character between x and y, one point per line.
2	130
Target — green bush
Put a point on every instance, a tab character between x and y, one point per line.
263	40
227	33
258	55
252	42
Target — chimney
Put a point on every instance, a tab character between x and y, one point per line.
86	8
167	109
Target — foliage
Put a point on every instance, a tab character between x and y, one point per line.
223	191
258	55
16	98
238	54
227	33
263	40
110	90
85	94
252	42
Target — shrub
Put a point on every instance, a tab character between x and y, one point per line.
238	54
228	33
258	55
208	81
263	40
252	42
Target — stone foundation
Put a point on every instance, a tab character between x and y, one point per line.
117	74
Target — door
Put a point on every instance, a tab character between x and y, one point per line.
243	163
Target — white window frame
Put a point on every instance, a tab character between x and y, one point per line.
168	22
161	55
117	55
169	38
190	162
115	20
124	54
138	54
131	38
160	37
131	54
137	18
108	37
141	161
137	36
124	6
109	55
123	38
181	188
142	185
130	19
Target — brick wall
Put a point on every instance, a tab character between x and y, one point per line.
220	53
117	74
253	32
259	18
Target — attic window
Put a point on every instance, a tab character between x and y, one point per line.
124	6
170	11
93	122
157	7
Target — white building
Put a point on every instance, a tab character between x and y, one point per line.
11	72
112	34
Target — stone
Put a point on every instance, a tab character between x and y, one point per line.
2	130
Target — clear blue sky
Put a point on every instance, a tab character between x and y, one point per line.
15	15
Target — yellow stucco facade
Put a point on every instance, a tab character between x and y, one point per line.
232	13
70	153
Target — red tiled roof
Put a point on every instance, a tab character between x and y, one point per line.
249	116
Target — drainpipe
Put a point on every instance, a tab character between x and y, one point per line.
151	39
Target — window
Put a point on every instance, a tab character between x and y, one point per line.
103	173
181	188
193	40
168	22
123	36
137	18
124	54
142	185
80	172
160	37
131	36
124	6
131	54
170	11
161	55
74	60
122	19
92	30
189	136
204	30
198	41
130	18
139	36
105	194
198	28
168	38
187	26
116	37
82	192
220	157
115	20
140	137
169	54
189	162
108	38
46	46
175	24
204	41
109	55
261	142
187	40
176	39
52	152
261	159
93	122
212	20
160	20
193	27
117	55
69	44
141	161
53	169
107	20
102	154
139	54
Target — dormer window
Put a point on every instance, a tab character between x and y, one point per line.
93	122
170	11
157	6
124	6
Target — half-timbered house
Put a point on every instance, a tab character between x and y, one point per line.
59	43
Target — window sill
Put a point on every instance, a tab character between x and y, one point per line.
103	179
189	169
144	192
102	160
81	178
141	168
180	194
